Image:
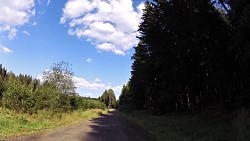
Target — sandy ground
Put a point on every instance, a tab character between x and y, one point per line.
107	127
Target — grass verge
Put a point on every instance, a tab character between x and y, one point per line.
12	124
199	127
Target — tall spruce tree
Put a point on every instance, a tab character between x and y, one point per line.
181	58
192	56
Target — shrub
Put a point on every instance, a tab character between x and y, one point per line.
19	98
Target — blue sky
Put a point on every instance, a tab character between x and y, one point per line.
96	36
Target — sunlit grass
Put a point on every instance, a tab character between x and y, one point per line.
13	124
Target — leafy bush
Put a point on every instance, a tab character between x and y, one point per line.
47	98
19	98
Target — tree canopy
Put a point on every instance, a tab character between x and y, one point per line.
60	75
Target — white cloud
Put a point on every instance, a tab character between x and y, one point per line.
5	49
48	2
40	77
34	23
117	90
26	32
14	14
106	47
82	83
119	52
4	28
95	88
97	80
75	8
89	60
12	33
111	25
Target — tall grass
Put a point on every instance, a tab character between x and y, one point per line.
13	124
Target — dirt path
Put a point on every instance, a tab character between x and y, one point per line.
108	127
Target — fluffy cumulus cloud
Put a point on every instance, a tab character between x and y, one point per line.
13	14
111	25
5	49
84	84
95	88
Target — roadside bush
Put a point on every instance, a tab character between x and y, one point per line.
47	98
19	98
95	104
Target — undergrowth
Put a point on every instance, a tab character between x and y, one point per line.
194	127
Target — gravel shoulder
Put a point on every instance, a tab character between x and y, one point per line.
107	127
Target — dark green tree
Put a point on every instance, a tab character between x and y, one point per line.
183	60
108	98
126	100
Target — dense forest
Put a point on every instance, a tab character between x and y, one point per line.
193	55
56	93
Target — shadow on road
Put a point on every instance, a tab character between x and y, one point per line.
113	127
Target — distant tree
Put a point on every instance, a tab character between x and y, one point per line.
60	76
108	98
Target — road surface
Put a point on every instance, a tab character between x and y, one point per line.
107	127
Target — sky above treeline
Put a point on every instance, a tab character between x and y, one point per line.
95	36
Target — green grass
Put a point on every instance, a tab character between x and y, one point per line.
199	127
13	124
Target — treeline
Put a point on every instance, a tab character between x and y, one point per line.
24	94
192	56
